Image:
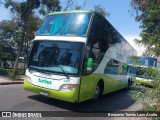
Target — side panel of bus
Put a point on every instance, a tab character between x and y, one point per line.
89	83
101	35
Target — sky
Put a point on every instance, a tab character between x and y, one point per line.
120	17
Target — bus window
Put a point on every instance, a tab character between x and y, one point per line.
97	45
115	67
48	55
65	24
112	67
131	70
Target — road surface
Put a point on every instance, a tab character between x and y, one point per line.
15	98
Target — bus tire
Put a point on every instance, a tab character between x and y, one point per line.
129	84
98	91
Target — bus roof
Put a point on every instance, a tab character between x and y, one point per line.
74	11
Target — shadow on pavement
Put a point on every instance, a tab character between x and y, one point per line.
115	101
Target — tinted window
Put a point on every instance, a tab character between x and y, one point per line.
101	36
96	47
103	33
132	70
115	67
54	55
148	61
74	24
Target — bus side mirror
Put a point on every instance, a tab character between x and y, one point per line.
88	68
89	64
124	66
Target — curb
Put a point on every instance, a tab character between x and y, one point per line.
12	82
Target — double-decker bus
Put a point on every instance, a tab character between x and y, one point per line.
77	56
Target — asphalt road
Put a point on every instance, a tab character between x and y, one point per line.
15	98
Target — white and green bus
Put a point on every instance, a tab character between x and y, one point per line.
77	56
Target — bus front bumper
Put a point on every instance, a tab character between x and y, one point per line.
145	82
69	96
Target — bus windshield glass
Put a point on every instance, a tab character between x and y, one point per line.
70	24
56	56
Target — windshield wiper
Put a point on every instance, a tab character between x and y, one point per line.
44	71
63	71
40	70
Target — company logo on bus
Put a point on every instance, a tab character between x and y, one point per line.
44	81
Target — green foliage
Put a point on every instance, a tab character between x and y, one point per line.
149	96
147	12
3	71
26	21
27	7
9	71
7	53
134	60
71	5
101	10
7	28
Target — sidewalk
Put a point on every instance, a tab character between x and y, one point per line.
4	80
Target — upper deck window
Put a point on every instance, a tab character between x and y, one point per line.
69	24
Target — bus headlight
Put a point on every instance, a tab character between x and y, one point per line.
149	80
27	79
68	87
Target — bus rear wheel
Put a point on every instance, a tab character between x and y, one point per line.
97	92
129	84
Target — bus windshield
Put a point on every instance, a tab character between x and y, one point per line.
56	56
69	24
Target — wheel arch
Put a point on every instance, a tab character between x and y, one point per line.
129	82
101	82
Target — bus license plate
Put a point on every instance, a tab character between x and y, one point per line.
44	93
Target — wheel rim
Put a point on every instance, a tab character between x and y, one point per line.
96	92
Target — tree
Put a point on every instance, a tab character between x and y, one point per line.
147	13
69	4
7	29
28	6
149	97
25	12
72	5
7	52
101	10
